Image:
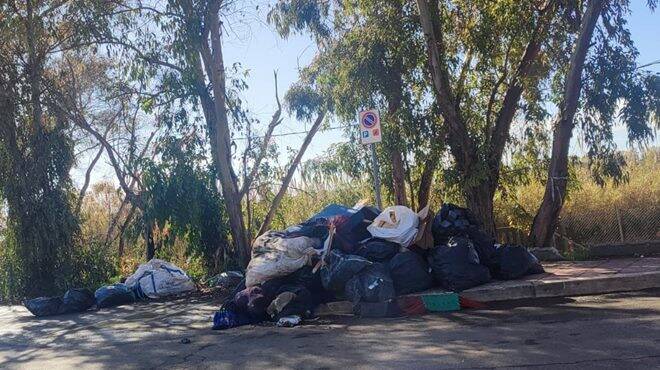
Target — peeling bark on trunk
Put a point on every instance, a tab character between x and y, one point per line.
545	220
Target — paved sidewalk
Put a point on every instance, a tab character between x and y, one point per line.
575	278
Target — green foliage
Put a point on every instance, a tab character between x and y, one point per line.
182	201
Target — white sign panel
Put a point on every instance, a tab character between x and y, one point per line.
370	127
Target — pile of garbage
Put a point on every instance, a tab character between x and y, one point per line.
154	279
369	258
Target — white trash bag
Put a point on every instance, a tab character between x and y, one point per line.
274	256
158	278
397	224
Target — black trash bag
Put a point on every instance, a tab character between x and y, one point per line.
373	284
74	300
312	282
339	269
114	295
44	306
514	262
77	300
377	250
456	265
484	244
410	273
452	220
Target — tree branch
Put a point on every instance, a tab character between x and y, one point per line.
289	175
446	101
500	132
274	122
88	174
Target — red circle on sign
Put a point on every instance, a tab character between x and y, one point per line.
369	120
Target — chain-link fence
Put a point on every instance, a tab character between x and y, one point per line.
613	225
607	226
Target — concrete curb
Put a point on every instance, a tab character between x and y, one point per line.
524	289
531	288
645	248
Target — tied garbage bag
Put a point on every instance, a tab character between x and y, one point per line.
377	250
157	279
397	224
456	265
514	262
410	273
44	306
339	269
274	256
373	284
74	300
452	220
114	295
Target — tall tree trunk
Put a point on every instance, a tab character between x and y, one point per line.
150	245
398	177
480	202
545	220
463	147
425	183
289	175
221	146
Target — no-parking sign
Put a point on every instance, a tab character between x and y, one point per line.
370	127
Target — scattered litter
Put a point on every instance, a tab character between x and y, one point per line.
289	321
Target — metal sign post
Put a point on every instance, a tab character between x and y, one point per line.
370	133
376	169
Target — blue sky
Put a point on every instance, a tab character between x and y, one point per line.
259	49
253	43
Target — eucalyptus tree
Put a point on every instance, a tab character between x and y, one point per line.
36	147
371	55
603	64
176	47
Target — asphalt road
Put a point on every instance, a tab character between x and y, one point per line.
618	331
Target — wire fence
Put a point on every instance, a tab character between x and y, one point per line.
609	226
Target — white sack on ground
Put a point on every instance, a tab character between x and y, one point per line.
274	256
397	224
158	278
